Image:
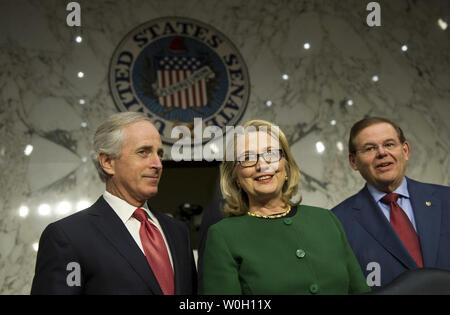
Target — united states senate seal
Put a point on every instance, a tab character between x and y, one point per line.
176	69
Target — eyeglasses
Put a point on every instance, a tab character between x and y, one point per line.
251	159
374	149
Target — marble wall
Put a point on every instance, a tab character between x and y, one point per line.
314	92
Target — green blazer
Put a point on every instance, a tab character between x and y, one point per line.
307	253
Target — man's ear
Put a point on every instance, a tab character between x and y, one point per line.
107	163
406	149
352	161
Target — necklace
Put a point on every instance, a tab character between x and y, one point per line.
271	216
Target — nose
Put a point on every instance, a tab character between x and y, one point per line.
381	151
262	165
155	162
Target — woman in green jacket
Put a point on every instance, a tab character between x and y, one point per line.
269	244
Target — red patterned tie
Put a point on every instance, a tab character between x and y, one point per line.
156	252
404	228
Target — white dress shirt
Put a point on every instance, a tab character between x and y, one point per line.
125	212
403	201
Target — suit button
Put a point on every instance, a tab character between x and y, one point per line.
287	221
300	253
314	288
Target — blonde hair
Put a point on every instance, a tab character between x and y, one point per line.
236	199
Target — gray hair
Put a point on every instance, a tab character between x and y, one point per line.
108	138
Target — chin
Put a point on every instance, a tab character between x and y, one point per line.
151	193
383	184
388	179
265	193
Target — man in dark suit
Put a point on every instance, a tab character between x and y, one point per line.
394	223
119	245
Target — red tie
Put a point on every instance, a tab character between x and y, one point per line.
404	228
156	252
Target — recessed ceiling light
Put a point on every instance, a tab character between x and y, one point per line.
83	204
44	209
63	207
442	24
320	147
35	246
28	149
23	211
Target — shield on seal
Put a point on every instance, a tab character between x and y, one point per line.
180	81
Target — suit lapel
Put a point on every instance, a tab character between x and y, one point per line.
169	233
367	213
109	223
427	213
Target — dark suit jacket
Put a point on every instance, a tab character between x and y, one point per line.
110	261
373	239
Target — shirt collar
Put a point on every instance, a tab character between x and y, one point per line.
402	190
123	209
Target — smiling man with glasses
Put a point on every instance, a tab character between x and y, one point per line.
394	221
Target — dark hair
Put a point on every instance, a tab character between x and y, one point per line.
369	121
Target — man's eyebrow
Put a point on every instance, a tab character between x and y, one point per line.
373	143
149	148
145	147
